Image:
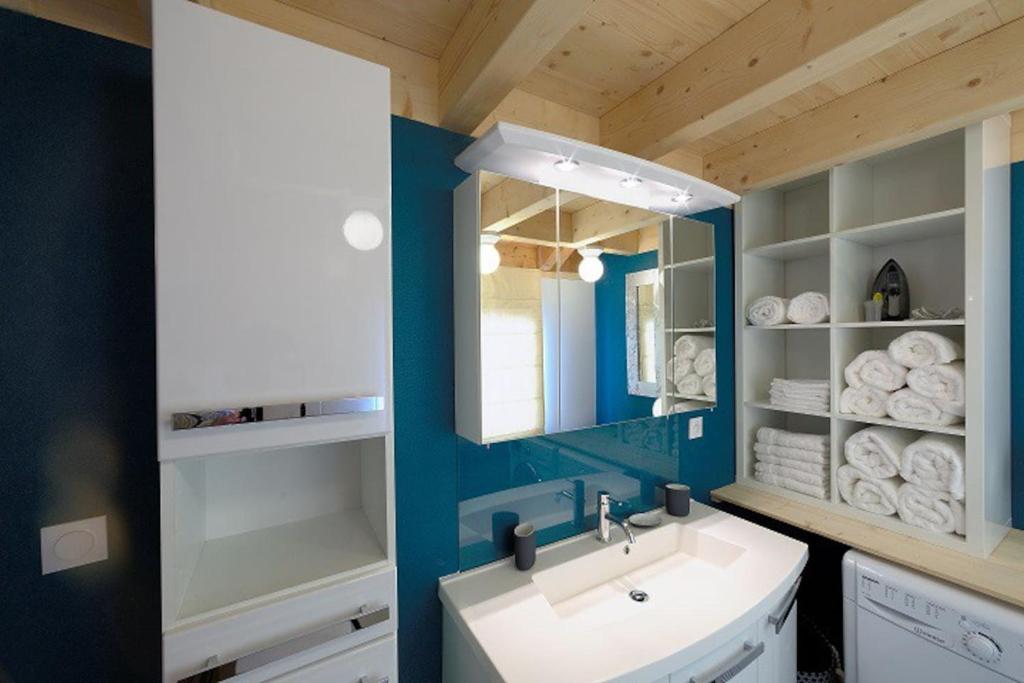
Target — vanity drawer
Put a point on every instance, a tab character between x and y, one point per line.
375	662
287	634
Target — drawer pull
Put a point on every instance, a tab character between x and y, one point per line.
200	419
363	619
730	668
778	620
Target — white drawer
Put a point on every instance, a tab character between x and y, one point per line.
292	629
375	662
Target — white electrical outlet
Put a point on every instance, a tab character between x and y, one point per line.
73	544
696	427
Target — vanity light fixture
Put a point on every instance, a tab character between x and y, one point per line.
683	197
490	258
630	181
363	230
566	164
591	269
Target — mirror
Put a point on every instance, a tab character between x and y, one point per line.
585	306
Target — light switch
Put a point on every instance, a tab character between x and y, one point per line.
696	427
73	544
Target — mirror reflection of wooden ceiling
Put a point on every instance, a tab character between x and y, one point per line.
745	93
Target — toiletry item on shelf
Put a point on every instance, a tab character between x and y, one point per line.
703	322
875	369
906	405
876	451
935	462
645	520
677	499
873	308
502	524
767	310
794	461
525	542
870	494
935	511
925	313
892	283
690	345
808	308
865	400
800	394
943	383
920	348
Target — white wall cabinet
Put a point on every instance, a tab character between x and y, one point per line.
940	209
275	528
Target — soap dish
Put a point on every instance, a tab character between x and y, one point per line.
645	520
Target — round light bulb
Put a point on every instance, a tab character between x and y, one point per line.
566	165
363	230
683	197
630	182
490	257
590	269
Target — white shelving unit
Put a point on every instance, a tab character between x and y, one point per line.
940	209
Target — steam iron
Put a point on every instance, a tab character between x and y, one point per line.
891	283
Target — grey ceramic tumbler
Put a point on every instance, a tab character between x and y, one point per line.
677	499
525	541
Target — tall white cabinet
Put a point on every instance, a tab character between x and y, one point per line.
940	209
274	404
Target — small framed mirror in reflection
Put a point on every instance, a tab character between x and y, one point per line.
643	339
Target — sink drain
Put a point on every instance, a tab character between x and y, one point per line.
639	596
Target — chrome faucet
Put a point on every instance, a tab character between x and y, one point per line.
605	519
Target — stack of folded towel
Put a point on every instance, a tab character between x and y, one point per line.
794	461
692	368
800	394
877	381
890	472
804	309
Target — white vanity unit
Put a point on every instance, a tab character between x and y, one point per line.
274	401
718	604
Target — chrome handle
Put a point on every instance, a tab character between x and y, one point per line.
282	411
779	618
730	668
213	671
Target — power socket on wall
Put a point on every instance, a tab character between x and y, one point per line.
696	427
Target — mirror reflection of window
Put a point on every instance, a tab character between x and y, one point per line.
646	316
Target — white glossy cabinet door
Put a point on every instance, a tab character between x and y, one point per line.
376	662
264	145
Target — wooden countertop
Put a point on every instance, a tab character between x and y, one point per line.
1001	575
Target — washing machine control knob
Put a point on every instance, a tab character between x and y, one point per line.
982	647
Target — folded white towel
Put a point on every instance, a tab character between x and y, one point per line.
919	348
870	494
821	469
816	457
680	369
690	384
943	383
867	401
808	308
710	386
768	310
933	510
935	462
800	386
704	363
876	451
792	485
690	345
819	405
813	478
906	405
771	436
875	369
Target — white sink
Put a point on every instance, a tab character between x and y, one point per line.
707	577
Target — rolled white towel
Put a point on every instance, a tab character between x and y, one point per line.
690	345
682	368
808	308
819	468
792	485
919	348
771	436
943	383
875	369
689	385
768	310
906	405
867	401
704	363
870	494
814	478
814	457
935	462
709	385
670	371
876	451
933	510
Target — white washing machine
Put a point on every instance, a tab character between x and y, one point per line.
901	626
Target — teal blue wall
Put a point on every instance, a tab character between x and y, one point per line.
1017	337
614	403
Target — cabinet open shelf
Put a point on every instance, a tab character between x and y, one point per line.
767	405
690	330
816	245
955	430
705	263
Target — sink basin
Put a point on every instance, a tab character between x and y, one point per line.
707	579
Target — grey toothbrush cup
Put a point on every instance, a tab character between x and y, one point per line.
525	541
677	499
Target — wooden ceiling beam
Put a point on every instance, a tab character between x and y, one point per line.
512	201
774	52
540	229
605	220
977	79
495	46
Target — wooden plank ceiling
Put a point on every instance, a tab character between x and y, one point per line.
744	92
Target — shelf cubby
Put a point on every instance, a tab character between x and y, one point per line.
692	296
756	417
784	353
787	213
